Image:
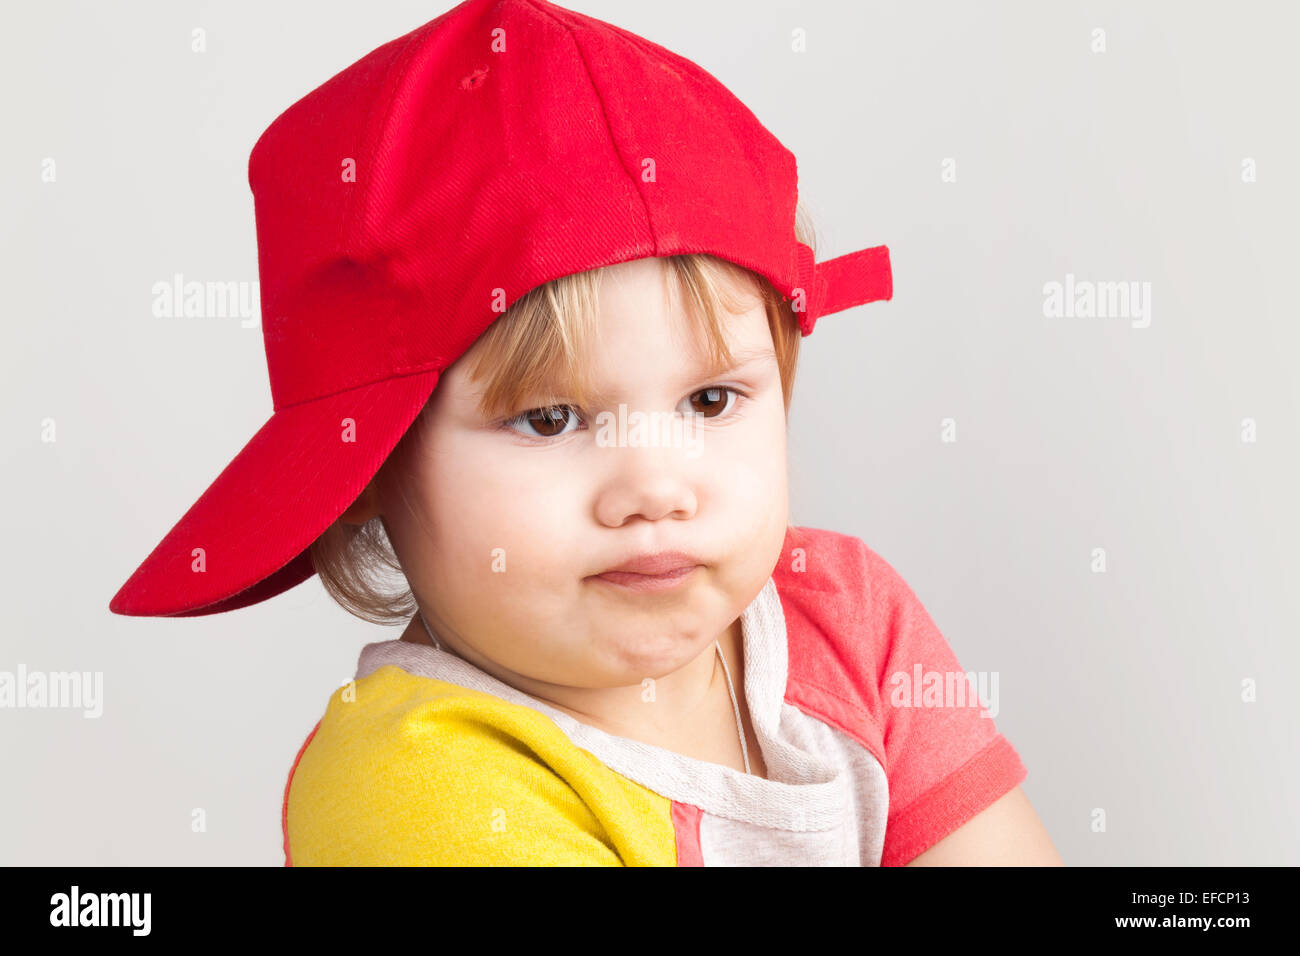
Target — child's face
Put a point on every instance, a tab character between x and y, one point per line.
513	528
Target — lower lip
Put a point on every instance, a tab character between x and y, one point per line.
648	582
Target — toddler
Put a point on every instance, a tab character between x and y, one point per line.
533	292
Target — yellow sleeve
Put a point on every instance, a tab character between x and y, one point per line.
419	772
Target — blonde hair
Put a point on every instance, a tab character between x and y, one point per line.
539	341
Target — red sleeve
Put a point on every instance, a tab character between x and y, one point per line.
944	758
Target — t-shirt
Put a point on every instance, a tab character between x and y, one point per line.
853	694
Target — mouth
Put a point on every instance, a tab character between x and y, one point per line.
635	581
662	571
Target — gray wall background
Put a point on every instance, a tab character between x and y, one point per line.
1121	690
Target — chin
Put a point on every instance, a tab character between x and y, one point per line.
638	661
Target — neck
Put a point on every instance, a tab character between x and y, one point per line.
682	701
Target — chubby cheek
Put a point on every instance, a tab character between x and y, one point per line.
749	487
504	534
747	482
505	570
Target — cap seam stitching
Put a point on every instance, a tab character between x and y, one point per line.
373	134
604	114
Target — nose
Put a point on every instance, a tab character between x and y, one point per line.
648	483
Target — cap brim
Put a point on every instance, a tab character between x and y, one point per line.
246	538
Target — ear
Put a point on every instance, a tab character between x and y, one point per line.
364	508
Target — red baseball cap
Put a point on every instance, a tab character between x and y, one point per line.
499	146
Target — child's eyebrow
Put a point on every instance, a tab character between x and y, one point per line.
740	359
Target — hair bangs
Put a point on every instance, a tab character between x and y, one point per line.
538	352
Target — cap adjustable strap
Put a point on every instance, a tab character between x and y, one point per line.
843	282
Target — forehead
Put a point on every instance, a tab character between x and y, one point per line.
644	311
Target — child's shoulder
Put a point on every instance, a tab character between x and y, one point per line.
834	550
827	563
852	624
408	770
865	654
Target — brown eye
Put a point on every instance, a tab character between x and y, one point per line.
713	401
544	422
